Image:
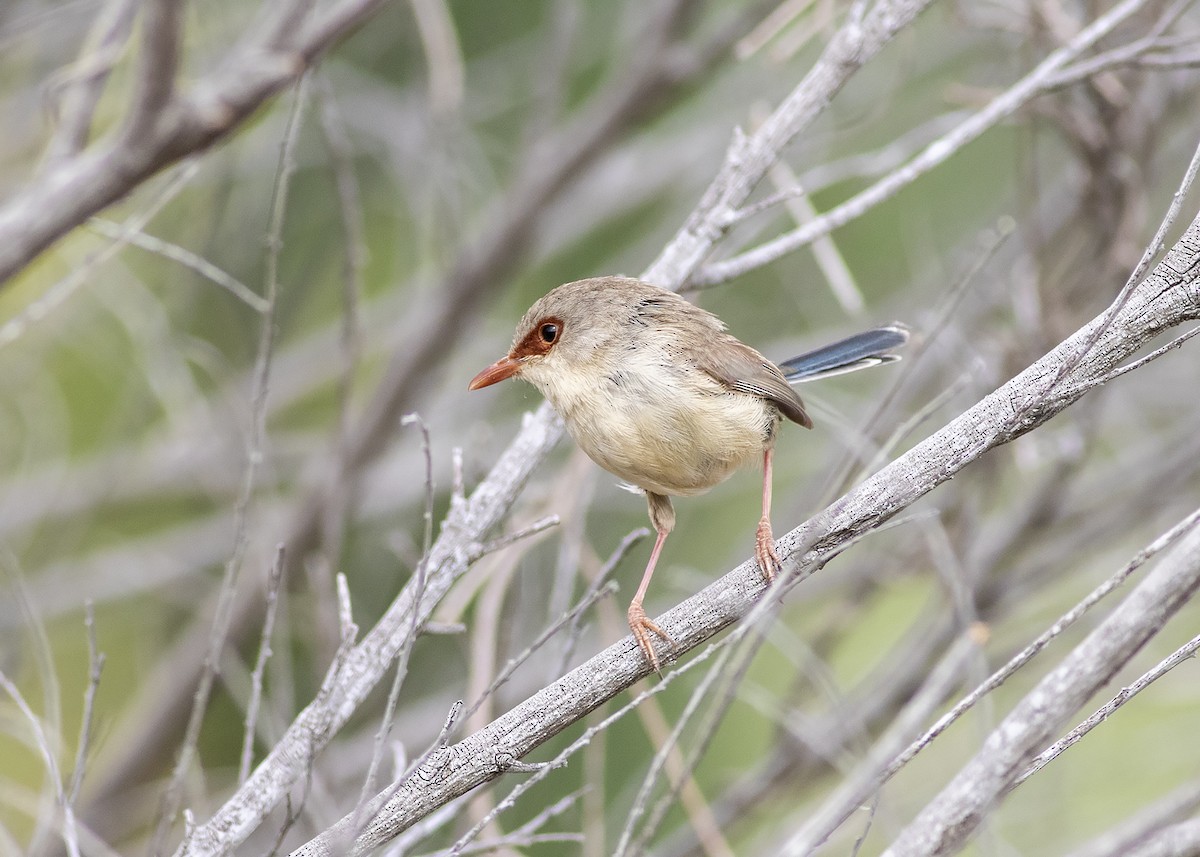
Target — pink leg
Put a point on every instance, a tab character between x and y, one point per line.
663	518
764	540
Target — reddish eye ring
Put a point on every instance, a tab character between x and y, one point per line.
548	332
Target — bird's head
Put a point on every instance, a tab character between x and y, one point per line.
566	334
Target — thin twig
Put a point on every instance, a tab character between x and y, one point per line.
95	667
58	293
1139	363
851	800
69	835
389	711
936	153
1183	653
250	722
570	617
957	810
123	234
78	89
606	571
255	453
1156	246
539	526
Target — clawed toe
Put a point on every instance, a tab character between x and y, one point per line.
764	551
642	628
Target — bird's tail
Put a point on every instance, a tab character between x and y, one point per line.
869	348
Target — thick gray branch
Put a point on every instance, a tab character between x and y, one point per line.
1168	296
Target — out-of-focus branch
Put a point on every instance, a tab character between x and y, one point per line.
164	126
161	30
79	88
1138	829
854	44
1012	99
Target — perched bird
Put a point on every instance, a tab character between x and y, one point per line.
655	391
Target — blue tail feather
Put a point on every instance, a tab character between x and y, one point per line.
869	348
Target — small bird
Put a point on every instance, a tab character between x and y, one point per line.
656	392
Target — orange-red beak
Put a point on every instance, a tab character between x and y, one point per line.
503	368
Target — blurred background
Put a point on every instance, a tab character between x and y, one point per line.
449	163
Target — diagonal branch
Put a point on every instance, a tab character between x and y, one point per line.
1169	296
77	187
468	522
945	824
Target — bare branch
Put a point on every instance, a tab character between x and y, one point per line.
1165	298
1183	653
162	23
822	826
956	812
255	453
274	580
76	188
936	153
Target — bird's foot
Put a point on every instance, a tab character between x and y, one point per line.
764	550
642	628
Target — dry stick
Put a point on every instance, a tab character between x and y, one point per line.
528	828
43	655
955	813
421	575
1142	361
857	788
341	490
213	108
58	293
255	452
731	665
936	153
1167	297
990	244
843	804
70	837
492	545
348	633
1153	249
1126	54
154	86
570	617
606	571
341	153
274	580
80	86
186	258
95	667
749	157
1188	650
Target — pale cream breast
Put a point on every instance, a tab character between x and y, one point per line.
662	426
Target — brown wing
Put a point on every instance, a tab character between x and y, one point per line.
741	368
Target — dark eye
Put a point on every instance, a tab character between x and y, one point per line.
549	333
